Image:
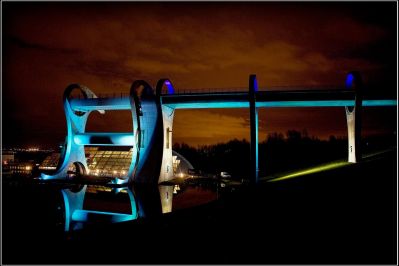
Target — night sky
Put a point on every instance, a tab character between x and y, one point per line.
106	46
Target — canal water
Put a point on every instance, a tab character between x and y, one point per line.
342	216
35	216
160	199
30	206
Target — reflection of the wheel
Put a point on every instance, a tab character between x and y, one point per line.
145	202
76	217
75	172
59	212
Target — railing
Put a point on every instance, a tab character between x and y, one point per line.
114	95
305	88
245	89
210	90
107	95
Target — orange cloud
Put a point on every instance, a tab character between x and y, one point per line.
106	46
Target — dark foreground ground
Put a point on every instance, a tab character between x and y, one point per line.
343	216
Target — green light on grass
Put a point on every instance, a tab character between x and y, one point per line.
312	170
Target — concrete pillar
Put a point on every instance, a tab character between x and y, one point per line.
253	116
353	117
154	163
165	86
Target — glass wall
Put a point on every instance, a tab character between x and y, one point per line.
103	161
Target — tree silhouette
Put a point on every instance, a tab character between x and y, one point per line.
277	153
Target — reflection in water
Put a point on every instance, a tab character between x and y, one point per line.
176	188
76	216
191	196
98	205
166	195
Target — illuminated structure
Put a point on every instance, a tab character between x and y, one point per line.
147	154
353	117
19	168
10	165
149	143
181	165
7	156
102	161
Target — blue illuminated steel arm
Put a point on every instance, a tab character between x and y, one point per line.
76	124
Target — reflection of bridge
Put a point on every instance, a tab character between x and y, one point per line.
153	112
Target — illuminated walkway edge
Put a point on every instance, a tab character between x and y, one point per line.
322	167
310	170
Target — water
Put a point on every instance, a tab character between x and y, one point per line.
345	215
30	206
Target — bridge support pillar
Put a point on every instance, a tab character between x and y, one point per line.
353	118
154	163
253	114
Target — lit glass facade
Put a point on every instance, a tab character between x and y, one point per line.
115	162
102	161
50	163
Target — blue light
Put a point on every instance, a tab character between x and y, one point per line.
169	85
43	176
120	139
85	105
67	210
349	81
306	103
125	140
87	215
210	105
380	102
253	83
266	104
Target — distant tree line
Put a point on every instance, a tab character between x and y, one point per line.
278	152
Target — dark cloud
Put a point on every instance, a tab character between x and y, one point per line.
106	46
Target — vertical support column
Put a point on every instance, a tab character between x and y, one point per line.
165	86
353	117
253	116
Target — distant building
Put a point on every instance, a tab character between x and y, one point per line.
25	162
181	165
50	163
7	157
19	168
